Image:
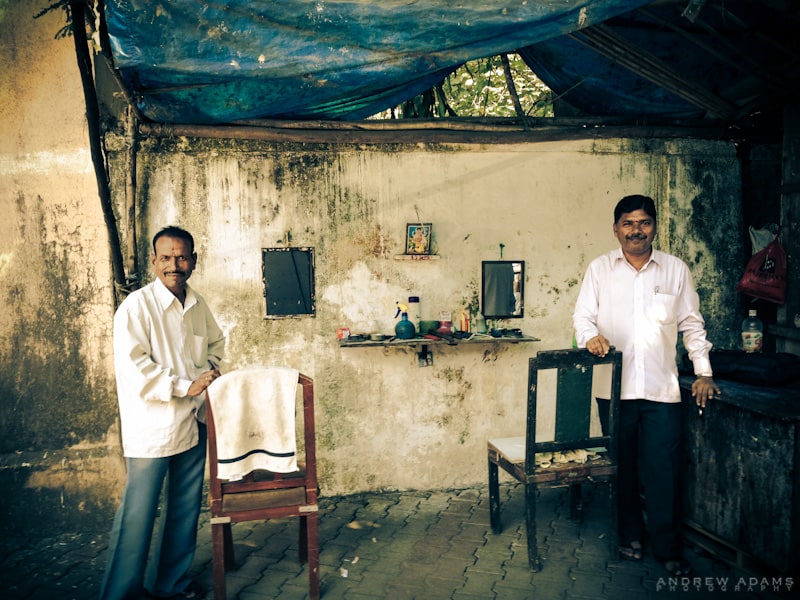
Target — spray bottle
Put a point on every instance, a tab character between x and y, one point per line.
404	330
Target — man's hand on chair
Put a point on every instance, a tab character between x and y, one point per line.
200	384
598	345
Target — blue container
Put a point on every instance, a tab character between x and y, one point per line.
404	330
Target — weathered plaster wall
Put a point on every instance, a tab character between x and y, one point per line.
383	421
57	402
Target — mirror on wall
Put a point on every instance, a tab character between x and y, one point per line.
502	289
288	282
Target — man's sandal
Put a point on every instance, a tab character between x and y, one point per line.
632	551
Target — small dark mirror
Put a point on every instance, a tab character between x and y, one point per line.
501	294
288	281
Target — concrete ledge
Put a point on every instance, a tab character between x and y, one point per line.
75	489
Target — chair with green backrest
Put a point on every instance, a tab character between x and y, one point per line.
572	437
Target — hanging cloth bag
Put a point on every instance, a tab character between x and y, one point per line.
765	274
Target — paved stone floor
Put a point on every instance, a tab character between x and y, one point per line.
404	546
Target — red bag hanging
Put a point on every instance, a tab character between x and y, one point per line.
765	274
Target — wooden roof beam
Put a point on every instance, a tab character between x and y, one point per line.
743	62
605	41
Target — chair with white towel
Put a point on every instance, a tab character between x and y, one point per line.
253	465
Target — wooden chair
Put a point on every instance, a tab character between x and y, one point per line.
260	493
573	410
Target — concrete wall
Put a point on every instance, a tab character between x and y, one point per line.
58	431
383	422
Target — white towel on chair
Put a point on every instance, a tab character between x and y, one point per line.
254	418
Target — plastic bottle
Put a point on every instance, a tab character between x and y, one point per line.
480	323
404	330
414	312
752	333
463	321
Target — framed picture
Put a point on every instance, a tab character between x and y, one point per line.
418	238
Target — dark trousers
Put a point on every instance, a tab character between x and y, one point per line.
649	463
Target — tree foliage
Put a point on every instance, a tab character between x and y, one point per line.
479	89
63	5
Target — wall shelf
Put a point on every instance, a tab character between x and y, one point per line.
789	333
417	257
421	341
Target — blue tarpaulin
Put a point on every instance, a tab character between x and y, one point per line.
600	86
216	62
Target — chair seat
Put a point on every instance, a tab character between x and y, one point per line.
510	453
263	499
559	474
512	448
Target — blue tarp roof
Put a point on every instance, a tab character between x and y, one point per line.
600	86
216	62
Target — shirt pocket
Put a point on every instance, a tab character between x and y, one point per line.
199	350
664	309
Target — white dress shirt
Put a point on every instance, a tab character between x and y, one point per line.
160	347
641	314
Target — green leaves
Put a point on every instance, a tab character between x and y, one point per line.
478	89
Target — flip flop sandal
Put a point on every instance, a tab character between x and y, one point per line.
632	551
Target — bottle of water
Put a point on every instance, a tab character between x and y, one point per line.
752	333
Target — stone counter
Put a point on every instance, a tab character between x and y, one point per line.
742	496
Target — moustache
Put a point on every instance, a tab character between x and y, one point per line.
637	236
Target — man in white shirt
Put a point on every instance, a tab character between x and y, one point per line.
167	346
638	300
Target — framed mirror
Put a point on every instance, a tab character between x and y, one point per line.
288	282
502	289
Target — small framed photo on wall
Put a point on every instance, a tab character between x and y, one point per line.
418	238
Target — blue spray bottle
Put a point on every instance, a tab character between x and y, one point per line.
404	330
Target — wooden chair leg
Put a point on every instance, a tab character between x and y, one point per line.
219	558
613	534
534	560
576	502
230	558
494	498
303	541
312	546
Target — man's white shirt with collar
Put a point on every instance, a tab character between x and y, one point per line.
641	313
160	347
